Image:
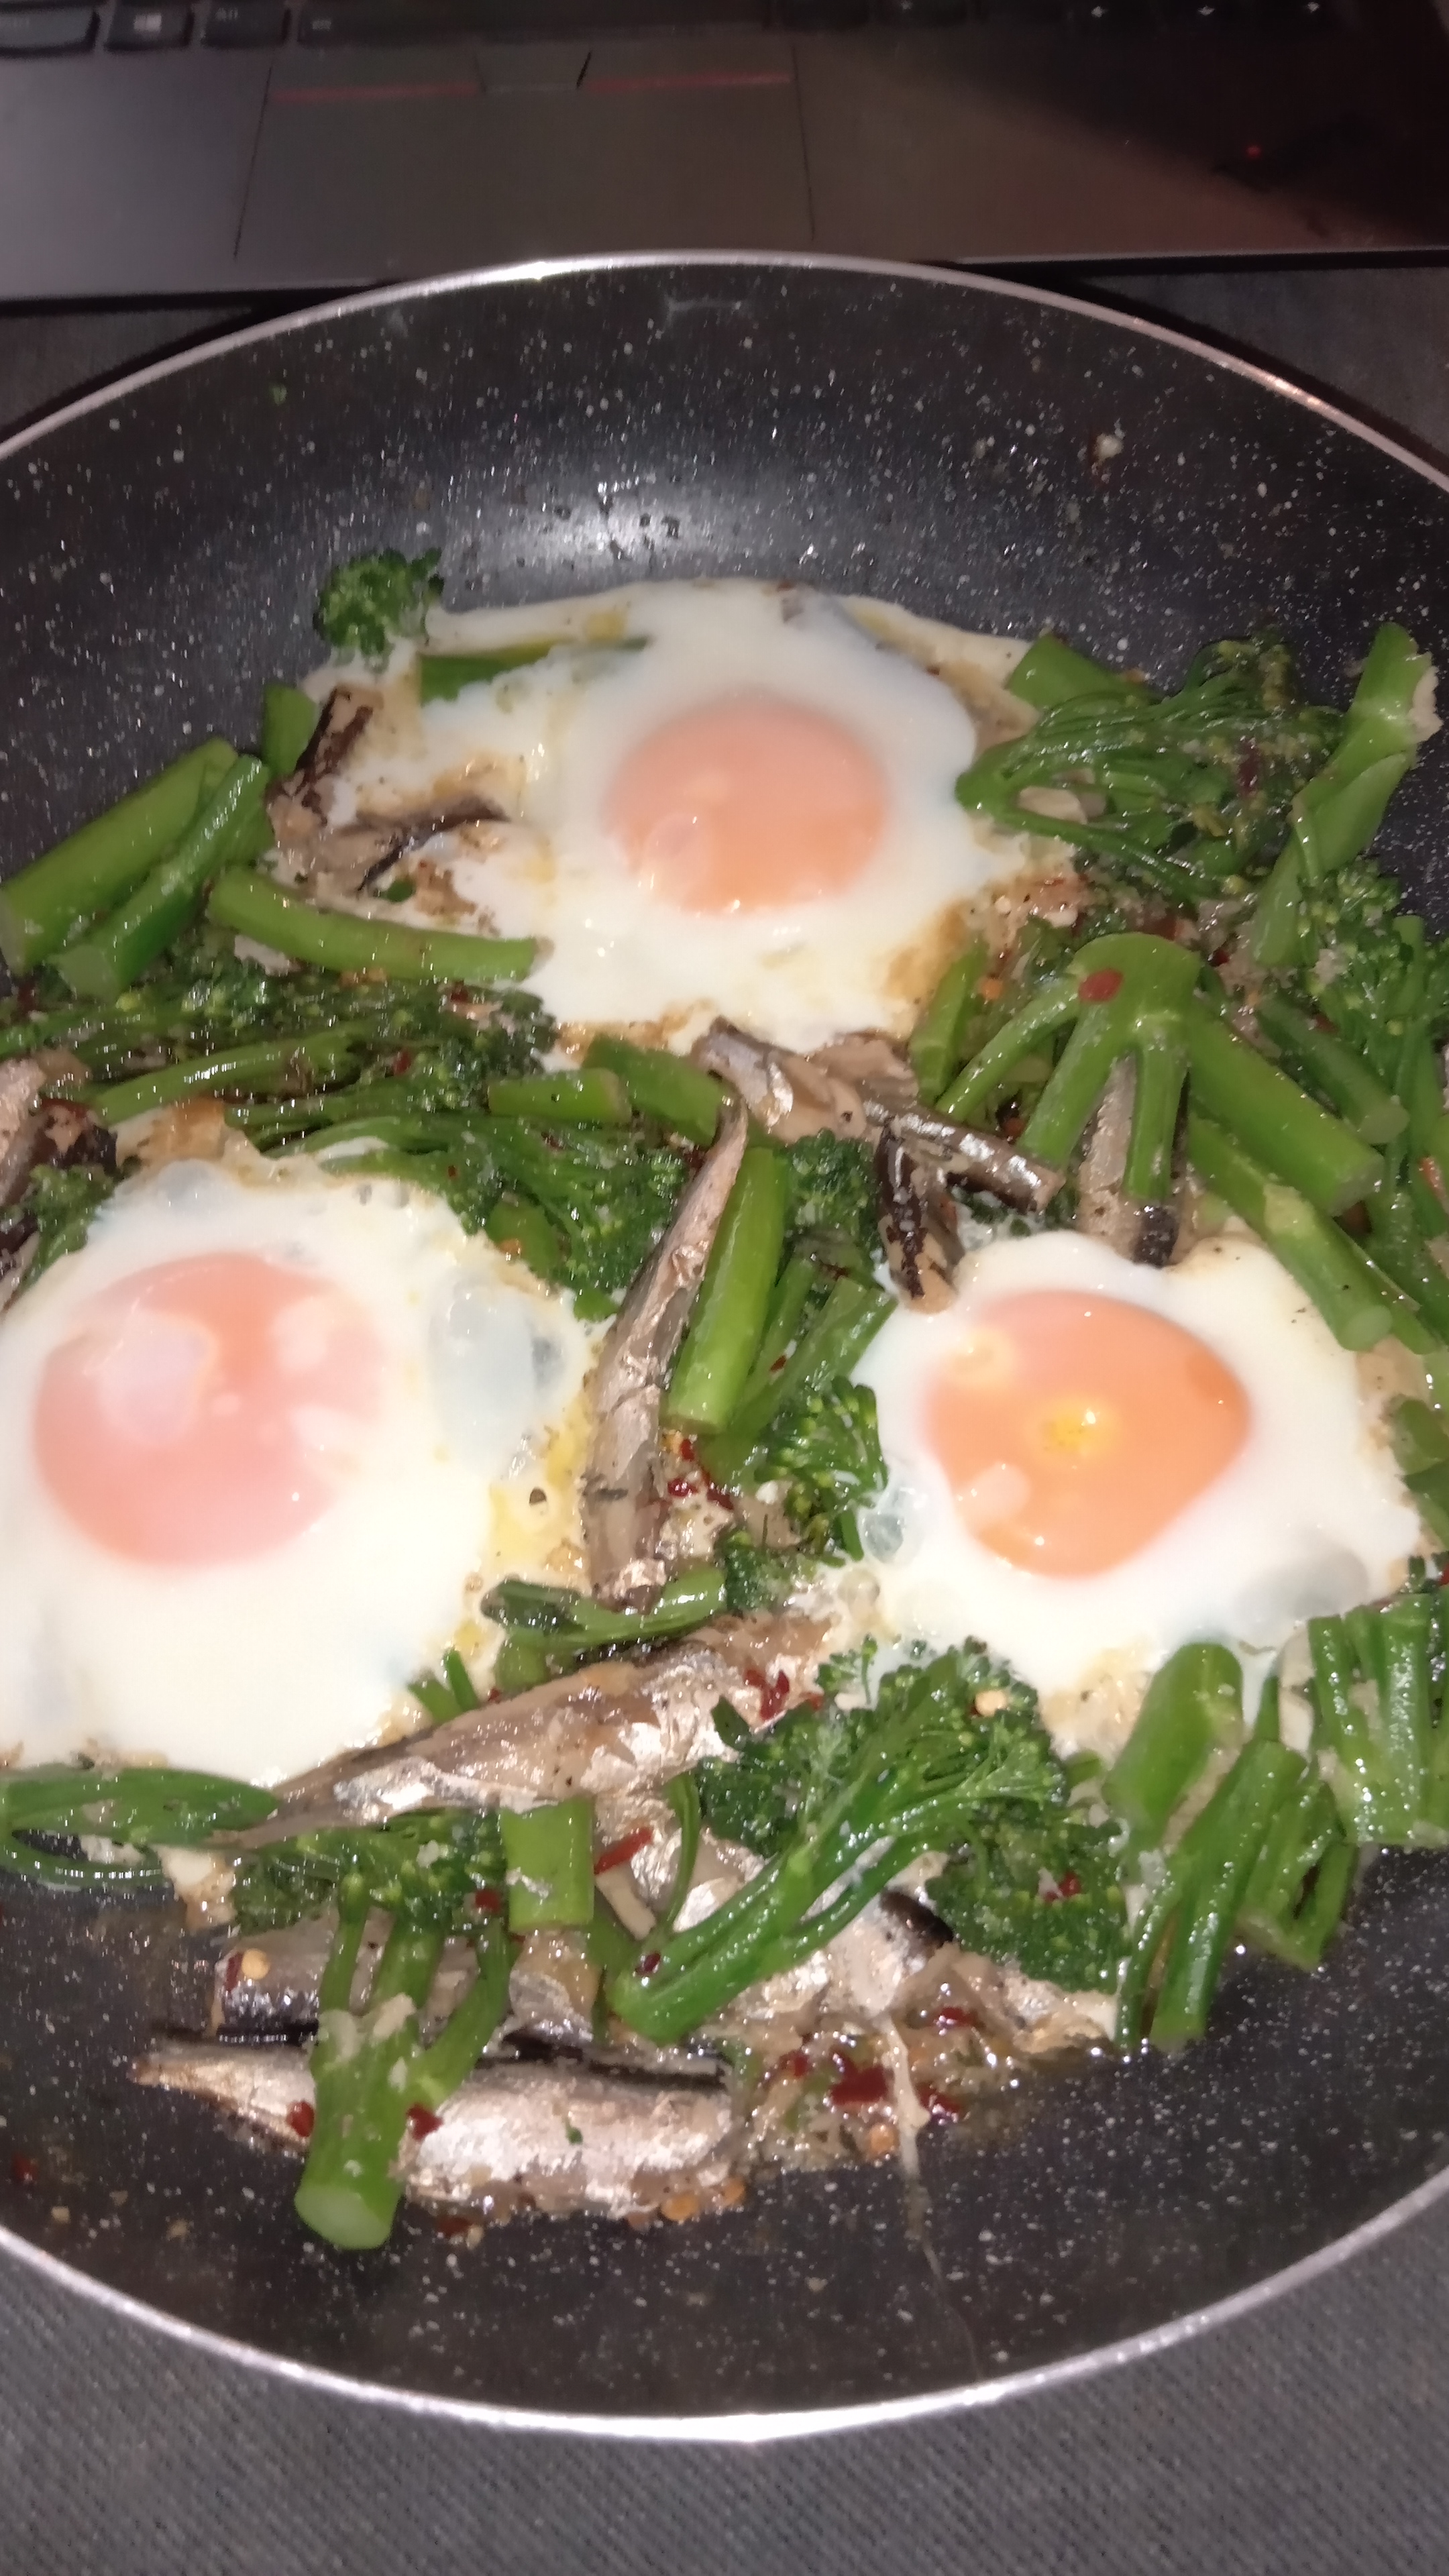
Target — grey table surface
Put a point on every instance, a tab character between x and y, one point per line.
1312	2432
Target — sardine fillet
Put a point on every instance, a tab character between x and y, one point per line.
554	2138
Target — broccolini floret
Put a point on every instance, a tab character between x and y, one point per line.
365	605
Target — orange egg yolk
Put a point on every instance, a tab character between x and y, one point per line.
750	803
205	1410
1074	1429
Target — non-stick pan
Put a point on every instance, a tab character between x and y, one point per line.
982	453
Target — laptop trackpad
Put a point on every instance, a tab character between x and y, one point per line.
376	163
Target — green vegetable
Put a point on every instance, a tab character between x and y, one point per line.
718	1351
824	1445
938	1042
845	1799
366	604
755	1578
1276	1122
46	1811
567	1629
98	865
549	1851
1336	815
1193	789
1189	1919
571	1099
607	1196
446	1694
270	1064
1375	1720
56	1207
1349	1295
1193	1709
834	1206
663	1086
437	1875
1041	1892
108	957
1321	1059
289	720
443	675
1051	674
1300	1880
350	944
841	1332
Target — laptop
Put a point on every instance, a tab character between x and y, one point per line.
156	148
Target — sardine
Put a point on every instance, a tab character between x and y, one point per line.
1139	1229
862	1087
553	2138
624	1501
612	1726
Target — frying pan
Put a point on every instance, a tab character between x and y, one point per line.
983	453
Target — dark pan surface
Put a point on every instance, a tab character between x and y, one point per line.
981	454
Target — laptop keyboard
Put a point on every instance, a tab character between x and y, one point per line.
156	26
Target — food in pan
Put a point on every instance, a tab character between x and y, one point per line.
727	1337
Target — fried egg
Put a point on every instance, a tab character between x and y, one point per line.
270	1436
721	798
1094	1461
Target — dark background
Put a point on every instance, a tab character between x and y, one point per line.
1313	2432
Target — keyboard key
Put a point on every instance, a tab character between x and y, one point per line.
148	30
237	25
46	31
378	22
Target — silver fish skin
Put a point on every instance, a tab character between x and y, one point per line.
614	1725
863	1087
560	2139
623	1490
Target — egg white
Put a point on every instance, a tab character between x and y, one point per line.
1311	1516
544	742
262	1668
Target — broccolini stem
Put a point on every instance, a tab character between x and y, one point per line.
96	866
1315	1252
589	1099
1051	673
1226	1841
265	1064
1319	1057
1193	1709
847	1323
936	1046
718	1351
289	720
681	1095
110	956
1276	1122
350	944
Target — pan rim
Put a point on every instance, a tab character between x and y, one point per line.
742	2428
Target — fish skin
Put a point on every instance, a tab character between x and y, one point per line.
862	1087
503	2139
614	1725
624	1500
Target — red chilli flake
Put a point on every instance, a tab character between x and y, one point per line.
422	2122
794	2064
774	1695
940	2105
302	2119
956	2017
231	1974
679	1486
1104	986
1069	1884
621	1852
486	1900
24	2169
647	1965
858	2088
689	1451
403	1060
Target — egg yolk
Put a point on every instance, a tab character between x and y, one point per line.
748	804
1074	1429
206	1410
